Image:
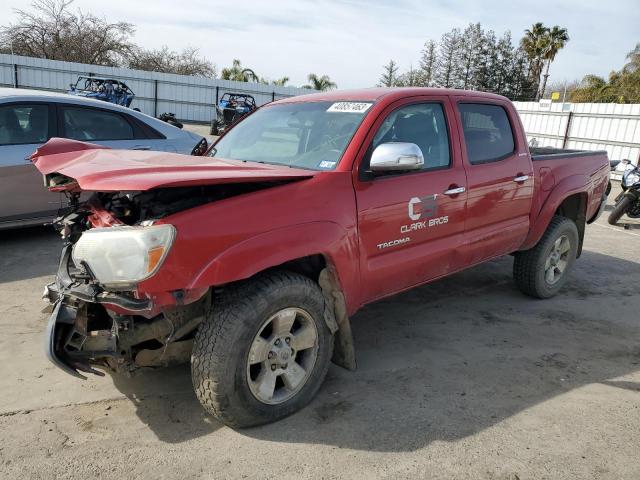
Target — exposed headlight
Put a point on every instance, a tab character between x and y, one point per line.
630	177
123	255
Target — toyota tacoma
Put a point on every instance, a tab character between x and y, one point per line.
249	262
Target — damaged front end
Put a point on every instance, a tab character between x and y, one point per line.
91	327
117	236
98	319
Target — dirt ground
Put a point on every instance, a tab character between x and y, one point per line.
463	378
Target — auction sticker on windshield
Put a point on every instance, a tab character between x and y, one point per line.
349	107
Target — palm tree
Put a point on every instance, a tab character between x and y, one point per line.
238	74
557	38
322	83
634	60
534	44
281	82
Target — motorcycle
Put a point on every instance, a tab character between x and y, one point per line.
628	201
171	119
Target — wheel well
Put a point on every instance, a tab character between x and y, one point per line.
318	269
309	266
574	207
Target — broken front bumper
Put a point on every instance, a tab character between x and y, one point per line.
69	343
129	334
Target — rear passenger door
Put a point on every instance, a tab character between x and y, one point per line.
411	224
499	179
23	128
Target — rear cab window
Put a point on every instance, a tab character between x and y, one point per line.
487	132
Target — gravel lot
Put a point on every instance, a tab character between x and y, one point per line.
463	378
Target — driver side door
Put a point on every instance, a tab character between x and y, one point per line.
411	225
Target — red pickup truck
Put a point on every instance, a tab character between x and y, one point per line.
251	260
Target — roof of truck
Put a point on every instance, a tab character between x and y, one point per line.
377	93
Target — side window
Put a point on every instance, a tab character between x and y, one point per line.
423	124
23	124
92	124
487	132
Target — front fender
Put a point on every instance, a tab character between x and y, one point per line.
269	249
576	184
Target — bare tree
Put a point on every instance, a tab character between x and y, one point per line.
51	30
164	60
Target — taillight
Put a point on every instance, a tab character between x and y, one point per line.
201	148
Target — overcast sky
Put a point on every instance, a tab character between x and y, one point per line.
350	40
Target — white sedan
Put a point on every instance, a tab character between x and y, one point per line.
28	118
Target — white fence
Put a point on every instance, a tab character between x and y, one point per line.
585	126
190	98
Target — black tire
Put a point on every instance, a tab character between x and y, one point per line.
529	266
214	127
619	210
221	348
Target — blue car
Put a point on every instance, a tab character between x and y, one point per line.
105	89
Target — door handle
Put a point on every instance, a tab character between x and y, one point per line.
455	191
141	147
521	178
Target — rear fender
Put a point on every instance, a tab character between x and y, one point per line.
576	184
273	248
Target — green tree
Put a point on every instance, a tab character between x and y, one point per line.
470	48
428	63
448	67
520	85
389	77
504	65
535	44
485	76
557	38
411	78
321	83
592	89
634	60
239	74
280	82
621	87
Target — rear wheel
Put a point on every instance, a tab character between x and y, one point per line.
619	209
542	271
264	351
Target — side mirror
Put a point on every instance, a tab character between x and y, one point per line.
396	157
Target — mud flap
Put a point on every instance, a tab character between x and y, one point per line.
344	353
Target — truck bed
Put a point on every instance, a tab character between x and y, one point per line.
551	153
581	170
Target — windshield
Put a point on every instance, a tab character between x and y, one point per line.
310	135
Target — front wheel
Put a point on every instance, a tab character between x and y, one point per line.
264	351
619	209
542	271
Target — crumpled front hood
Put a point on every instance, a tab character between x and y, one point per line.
73	166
